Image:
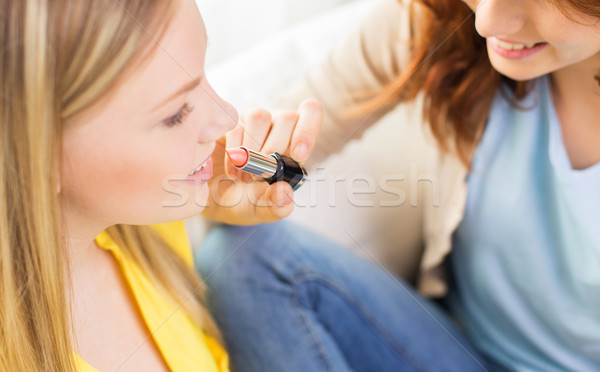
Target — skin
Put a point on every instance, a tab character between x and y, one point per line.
572	59
117	157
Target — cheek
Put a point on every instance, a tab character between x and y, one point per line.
101	180
122	180
566	35
574	50
143	171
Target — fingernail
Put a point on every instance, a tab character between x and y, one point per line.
300	151
281	198
286	200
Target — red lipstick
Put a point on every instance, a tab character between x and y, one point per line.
239	157
272	168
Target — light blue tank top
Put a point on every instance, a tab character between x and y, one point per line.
526	257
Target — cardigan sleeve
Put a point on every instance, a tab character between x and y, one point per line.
371	58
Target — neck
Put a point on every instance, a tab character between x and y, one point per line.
579	83
576	96
79	233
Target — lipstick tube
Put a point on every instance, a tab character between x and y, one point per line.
272	168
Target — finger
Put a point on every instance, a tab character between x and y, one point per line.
256	128
277	203
281	132
233	139
307	129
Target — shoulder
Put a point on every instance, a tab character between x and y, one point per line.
387	31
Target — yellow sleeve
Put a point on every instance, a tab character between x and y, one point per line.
175	235
220	355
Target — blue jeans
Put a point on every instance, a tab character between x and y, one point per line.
288	300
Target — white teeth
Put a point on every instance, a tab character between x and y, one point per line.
510	46
198	168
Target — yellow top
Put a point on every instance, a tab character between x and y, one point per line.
182	344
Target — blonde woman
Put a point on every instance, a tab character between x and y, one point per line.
108	128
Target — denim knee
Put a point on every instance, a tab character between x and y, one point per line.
234	254
240	248
215	247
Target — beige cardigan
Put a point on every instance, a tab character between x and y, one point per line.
368	60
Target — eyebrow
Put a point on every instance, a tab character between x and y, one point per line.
184	89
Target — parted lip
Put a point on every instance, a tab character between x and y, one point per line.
202	164
515	42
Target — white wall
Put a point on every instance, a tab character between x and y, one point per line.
235	26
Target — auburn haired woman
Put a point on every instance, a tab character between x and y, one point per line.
510	91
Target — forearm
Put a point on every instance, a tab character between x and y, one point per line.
354	72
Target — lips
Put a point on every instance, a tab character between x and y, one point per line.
202	173
515	51
513	45
198	168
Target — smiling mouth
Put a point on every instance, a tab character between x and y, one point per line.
514	46
199	168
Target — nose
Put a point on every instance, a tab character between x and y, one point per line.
228	117
223	116
499	17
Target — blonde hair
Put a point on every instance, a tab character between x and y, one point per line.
59	58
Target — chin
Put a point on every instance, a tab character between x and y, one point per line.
519	70
184	204
518	73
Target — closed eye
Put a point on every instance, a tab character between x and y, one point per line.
180	117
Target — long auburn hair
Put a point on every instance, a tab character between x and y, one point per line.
59	57
449	65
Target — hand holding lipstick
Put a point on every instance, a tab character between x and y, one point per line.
245	199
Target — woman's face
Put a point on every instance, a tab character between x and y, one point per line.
515	24
128	160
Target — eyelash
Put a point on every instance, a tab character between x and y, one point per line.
180	117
